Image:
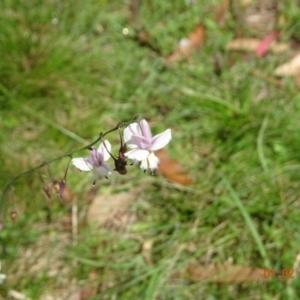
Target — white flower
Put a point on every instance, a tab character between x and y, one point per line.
139	138
96	161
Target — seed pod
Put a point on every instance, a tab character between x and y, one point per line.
13	215
62	187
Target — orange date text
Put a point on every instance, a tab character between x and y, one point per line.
284	273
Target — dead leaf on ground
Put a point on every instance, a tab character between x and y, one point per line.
188	45
221	11
83	294
253	44
17	295
172	170
221	273
290	68
104	207
265	43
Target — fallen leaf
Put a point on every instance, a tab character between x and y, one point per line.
252	44
291	68
197	36
75	296
221	10
172	170
83	294
104	207
187	45
265	44
17	295
221	273
88	292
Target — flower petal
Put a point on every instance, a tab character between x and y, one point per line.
103	150
144	164
129	131
153	161
82	163
104	170
137	154
95	158
141	142
145	128
161	140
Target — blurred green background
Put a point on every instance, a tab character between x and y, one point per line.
71	69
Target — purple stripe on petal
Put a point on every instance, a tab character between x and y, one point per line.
146	131
141	142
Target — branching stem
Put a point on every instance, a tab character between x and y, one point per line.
11	182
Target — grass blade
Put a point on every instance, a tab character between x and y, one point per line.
250	224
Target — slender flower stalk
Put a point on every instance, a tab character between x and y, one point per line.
136	136
70	154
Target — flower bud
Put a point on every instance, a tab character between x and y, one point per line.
13	215
62	187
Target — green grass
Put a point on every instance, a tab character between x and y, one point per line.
67	72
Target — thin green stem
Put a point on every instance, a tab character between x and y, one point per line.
69	154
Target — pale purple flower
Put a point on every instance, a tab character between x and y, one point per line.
139	138
96	161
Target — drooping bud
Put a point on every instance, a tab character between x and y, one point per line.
13	215
62	187
120	161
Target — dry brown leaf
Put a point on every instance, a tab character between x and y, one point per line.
221	10
187	45
265	43
252	44
291	68
104	207
221	273
17	295
172	170
88	292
